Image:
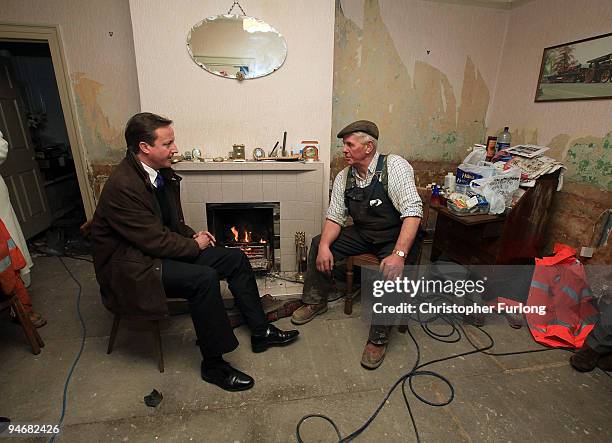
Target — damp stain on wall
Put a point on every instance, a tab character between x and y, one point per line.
588	159
578	208
98	175
420	115
103	142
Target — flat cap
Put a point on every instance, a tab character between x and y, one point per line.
360	126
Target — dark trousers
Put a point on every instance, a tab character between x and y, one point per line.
317	285
600	338
197	281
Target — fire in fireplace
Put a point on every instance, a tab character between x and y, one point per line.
252	227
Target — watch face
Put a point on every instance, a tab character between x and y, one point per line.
400	253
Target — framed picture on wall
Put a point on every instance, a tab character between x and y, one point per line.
580	70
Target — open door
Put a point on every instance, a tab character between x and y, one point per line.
20	170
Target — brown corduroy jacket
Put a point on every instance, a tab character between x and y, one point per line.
129	240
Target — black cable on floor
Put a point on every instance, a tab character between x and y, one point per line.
417	370
42	253
78	356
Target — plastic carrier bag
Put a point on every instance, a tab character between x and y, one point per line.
498	189
467	172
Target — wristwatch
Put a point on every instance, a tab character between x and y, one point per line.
400	253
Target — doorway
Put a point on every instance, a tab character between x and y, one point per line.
40	170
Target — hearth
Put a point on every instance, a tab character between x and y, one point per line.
254	228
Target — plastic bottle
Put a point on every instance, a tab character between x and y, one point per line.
435	195
449	181
503	140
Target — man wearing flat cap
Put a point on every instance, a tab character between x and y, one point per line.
379	193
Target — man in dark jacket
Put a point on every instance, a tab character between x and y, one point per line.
144	251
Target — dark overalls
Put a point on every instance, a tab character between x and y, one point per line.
377	225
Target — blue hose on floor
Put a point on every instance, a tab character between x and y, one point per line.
78	356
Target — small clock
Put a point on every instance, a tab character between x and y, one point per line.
258	153
310	153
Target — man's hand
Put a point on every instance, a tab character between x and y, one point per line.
211	237
392	267
325	260
204	239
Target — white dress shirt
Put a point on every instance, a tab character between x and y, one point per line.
152	173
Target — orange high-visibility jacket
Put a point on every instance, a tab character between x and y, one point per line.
559	283
11	260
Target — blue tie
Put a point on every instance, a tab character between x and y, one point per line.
159	181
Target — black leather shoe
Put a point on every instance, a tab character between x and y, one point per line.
272	337
227	378
585	359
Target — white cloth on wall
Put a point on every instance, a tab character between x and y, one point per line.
8	216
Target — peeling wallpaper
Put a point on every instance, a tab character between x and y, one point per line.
108	139
426	108
428	112
438	77
588	159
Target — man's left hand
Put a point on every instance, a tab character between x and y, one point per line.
392	267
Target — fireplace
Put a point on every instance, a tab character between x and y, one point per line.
254	228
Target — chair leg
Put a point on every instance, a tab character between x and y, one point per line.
39	339
28	328
158	345
348	305
348	298
113	334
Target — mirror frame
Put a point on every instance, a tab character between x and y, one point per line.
235	77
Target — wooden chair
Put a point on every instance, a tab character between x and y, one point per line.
156	335
153	322
371	260
24	320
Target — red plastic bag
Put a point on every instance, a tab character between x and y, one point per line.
559	283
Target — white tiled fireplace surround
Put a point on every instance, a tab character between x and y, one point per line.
298	187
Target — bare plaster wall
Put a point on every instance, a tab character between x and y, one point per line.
211	112
578	132
102	67
423	71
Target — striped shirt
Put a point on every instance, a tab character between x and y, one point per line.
400	188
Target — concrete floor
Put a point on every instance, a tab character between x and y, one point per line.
518	398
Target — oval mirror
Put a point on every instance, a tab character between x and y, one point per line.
236	46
